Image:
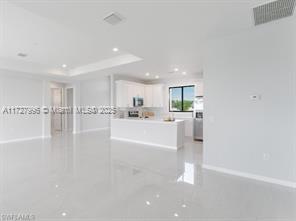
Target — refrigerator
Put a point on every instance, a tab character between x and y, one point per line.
198	118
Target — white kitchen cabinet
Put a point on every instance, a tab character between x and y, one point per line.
124	94
126	91
153	95
121	94
157	95
139	90
148	98
130	95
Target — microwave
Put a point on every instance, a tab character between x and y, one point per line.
138	101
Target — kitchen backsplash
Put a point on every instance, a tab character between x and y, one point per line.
158	112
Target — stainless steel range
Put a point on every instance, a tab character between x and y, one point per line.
133	113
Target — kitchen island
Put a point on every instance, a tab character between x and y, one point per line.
150	132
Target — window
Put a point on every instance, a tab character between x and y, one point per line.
181	99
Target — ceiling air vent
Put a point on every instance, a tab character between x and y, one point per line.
23	55
114	18
273	10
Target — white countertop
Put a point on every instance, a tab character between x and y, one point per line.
147	120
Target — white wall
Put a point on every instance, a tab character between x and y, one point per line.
239	131
16	90
24	89
95	92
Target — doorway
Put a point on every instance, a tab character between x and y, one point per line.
62	96
69	104
56	118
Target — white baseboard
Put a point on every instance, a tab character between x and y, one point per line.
251	176
92	130
23	139
145	143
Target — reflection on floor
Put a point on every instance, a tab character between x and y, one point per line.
89	177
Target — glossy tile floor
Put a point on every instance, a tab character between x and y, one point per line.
89	177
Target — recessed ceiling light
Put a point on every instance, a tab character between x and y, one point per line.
157	195
64	214
184	206
147	74
64	65
176	214
56	186
176	69
23	55
184	73
148	203
156	76
115	49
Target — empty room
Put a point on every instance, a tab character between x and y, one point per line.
148	110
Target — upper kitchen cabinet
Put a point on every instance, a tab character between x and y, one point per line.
157	95
123	92
139	90
148	99
126	91
153	95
